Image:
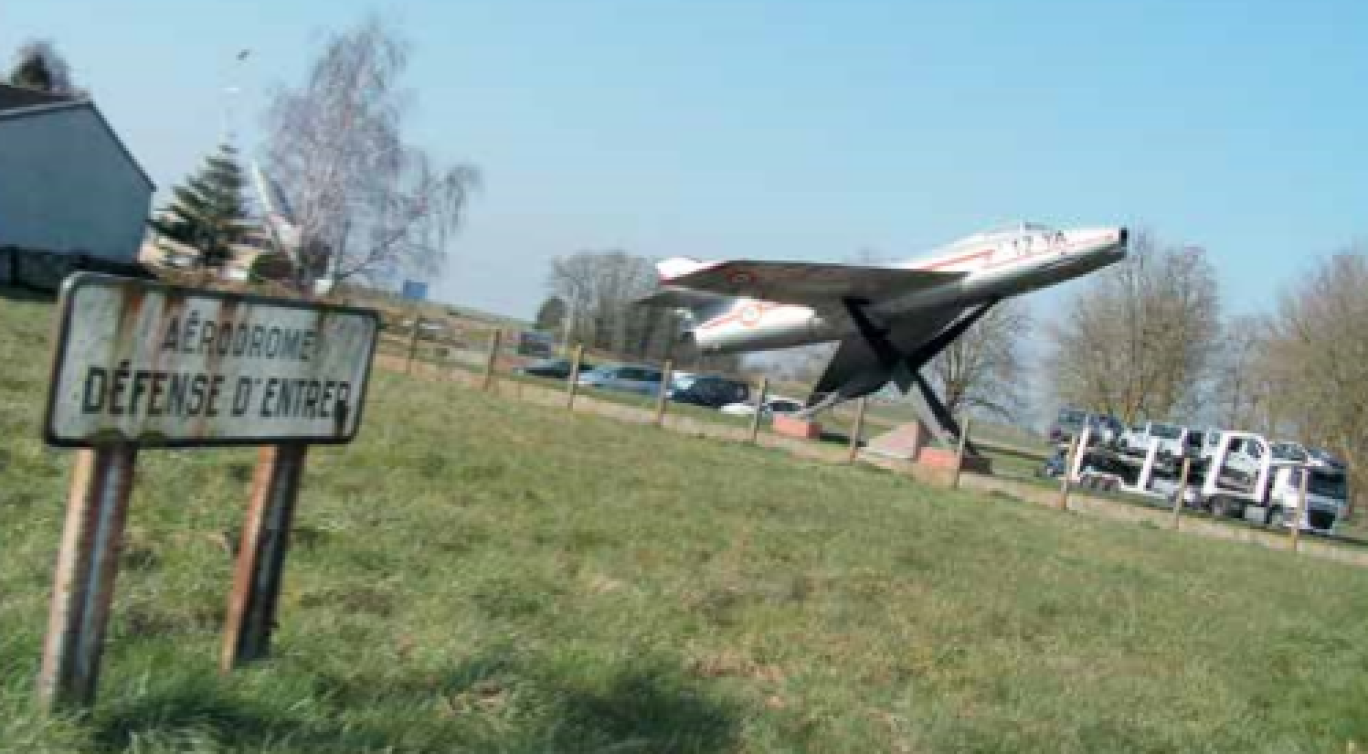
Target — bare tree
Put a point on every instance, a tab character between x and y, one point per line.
1241	383
1318	347
984	369
598	288
1138	339
367	204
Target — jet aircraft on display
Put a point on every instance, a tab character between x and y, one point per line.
890	320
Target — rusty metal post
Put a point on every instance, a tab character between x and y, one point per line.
413	344
1182	490
261	556
87	567
1301	513
759	408
495	341
959	453
572	385
860	407
663	399
1063	503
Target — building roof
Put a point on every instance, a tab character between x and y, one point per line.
18	102
16	97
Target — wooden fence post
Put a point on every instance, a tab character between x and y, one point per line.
860	407
959	453
413	344
759	408
572	385
261	556
1301	508
1063	503
1182	491
87	568
495	341
663	399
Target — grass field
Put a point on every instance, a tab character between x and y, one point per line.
479	575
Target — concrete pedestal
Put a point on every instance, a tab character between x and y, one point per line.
793	427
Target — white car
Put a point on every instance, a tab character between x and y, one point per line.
1138	439
774	404
1287	450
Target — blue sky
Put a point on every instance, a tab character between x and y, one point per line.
801	129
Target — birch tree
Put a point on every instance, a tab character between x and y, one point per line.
367	203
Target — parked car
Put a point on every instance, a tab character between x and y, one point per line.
709	391
627	378
1172	439
774	404
1106	429
554	368
1323	459
1054	465
1068	423
1286	450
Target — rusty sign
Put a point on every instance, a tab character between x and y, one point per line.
146	363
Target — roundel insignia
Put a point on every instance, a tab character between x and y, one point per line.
750	316
741	277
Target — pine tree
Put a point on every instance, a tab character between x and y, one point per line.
551	314
210	212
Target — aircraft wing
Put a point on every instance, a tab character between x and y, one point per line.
856	368
806	283
678	298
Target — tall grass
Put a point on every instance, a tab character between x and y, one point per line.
478	575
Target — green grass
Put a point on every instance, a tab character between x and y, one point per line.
481	575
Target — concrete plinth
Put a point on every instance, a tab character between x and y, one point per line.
793	427
913	442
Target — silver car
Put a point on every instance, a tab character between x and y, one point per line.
628	378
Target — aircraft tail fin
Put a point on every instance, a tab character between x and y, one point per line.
674	267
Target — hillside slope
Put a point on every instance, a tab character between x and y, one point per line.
477	575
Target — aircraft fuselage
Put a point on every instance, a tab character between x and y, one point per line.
994	266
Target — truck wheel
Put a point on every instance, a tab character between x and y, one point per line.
1277	518
1223	507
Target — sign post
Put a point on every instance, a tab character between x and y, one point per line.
138	364
87	567
261	556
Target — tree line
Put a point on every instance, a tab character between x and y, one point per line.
1146	340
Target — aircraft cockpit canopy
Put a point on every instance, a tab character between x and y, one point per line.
1009	232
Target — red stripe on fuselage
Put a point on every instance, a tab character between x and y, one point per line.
938	263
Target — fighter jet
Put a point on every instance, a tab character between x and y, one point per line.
889	320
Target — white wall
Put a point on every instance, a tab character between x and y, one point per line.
65	185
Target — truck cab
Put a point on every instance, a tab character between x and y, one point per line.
1326	495
1246	479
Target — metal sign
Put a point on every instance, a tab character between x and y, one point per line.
151	364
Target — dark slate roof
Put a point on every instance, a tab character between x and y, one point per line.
15	97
